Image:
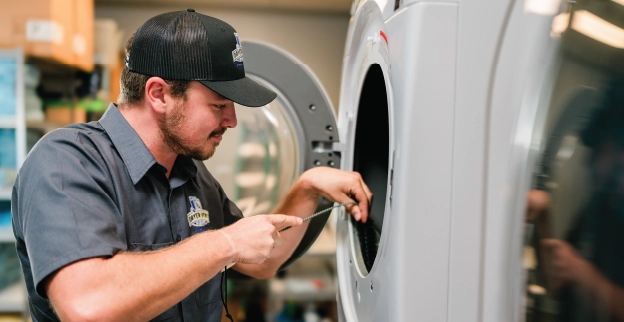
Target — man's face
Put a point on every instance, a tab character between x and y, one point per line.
195	126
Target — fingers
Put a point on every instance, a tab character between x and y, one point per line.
254	239
363	196
367	191
281	221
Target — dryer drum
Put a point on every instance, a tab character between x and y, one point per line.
371	158
369	242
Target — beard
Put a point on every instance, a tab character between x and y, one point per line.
171	125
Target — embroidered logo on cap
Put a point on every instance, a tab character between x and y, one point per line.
237	54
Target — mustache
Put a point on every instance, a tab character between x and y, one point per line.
220	131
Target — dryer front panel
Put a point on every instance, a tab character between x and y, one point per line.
396	122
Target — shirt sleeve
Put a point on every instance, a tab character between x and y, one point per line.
64	207
231	212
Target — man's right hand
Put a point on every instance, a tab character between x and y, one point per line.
253	239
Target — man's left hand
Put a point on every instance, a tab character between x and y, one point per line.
342	187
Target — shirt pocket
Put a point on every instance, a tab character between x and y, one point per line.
209	292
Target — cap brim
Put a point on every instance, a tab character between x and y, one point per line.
243	91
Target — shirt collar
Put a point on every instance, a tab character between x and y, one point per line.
183	168
133	151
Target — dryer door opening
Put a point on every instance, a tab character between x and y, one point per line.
367	129
371	155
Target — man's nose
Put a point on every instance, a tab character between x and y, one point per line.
229	116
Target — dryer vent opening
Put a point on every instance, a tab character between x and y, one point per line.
371	157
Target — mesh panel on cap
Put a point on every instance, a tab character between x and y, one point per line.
172	46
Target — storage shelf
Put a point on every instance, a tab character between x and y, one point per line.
7	122
13	298
282	289
5	194
6	236
43	126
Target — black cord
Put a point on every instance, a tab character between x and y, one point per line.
224	297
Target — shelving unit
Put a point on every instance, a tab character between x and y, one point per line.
7	122
308	280
43	126
5	194
13	297
6	236
17	121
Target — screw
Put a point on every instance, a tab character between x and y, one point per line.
329	128
331	163
317	163
312	107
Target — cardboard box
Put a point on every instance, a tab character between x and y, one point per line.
108	42
43	28
82	43
65	115
58	31
115	79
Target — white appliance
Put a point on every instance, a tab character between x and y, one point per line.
445	109
461	79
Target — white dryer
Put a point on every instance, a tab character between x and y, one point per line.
438	105
445	108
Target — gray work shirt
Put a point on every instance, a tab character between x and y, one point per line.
93	190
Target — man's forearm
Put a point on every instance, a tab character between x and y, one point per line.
136	286
300	201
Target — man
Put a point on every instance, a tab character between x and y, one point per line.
119	220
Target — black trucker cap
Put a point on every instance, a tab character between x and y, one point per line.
186	45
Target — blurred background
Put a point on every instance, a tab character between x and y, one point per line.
60	62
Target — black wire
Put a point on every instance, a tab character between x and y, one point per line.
224	297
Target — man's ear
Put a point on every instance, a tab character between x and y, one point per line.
157	94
